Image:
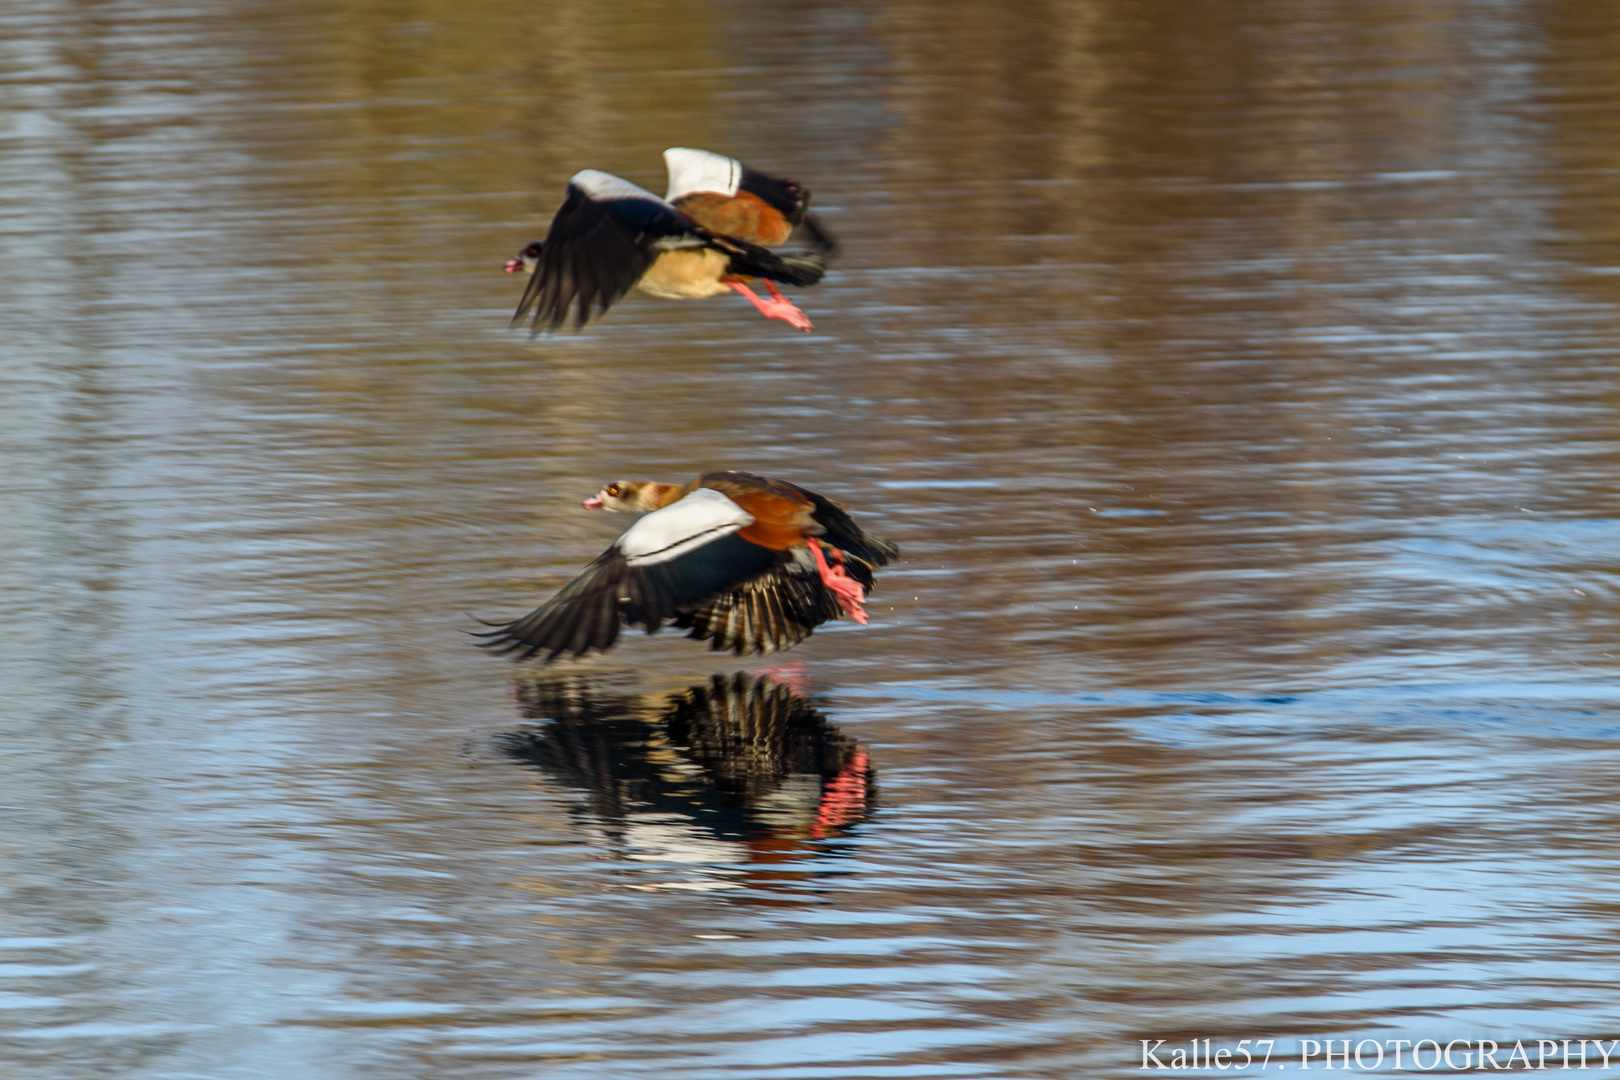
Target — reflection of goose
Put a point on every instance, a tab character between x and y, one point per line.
752	737
710	233
754	565
740	769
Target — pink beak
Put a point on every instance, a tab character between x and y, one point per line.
513	265
593	503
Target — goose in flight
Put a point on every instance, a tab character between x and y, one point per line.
749	564
710	233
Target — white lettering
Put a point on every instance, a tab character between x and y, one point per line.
1416	1064
1243	1048
1308	1048
1400	1044
1329	1056
1367	1055
1468	1058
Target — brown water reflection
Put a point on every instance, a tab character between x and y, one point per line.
1238	379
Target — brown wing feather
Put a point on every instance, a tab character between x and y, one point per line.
744	215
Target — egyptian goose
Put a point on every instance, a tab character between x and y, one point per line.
751	565
707	235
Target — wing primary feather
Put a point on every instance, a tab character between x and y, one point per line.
765	632
737	631
635	613
553	632
607	621
567	289
826	243
601	278
756	621
571	638
531	294
585	284
731	629
757	624
660	595
546	303
739	636
774	619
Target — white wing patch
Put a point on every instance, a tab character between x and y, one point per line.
686	525
700	170
600	186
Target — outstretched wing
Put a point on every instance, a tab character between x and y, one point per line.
672	562
605	235
692	170
583	616
729	198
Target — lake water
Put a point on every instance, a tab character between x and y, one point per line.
1239	380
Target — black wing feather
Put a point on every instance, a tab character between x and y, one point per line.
550	627
820	235
594	253
587	613
786	196
773	612
751	260
792	200
844	534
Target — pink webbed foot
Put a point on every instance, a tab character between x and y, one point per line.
847	589
779	307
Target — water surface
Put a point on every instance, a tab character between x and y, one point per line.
1238	380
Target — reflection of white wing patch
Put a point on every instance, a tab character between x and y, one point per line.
700	170
601	186
686	525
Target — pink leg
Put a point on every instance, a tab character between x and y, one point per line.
779	308
847	589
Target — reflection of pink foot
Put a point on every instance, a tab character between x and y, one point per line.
779	307
847	589
795	675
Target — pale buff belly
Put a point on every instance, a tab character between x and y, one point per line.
685	275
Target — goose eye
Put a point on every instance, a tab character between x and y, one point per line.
614	490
